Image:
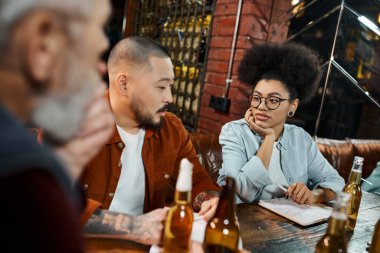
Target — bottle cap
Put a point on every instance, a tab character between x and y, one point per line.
184	182
358	160
342	198
357	164
340	206
230	183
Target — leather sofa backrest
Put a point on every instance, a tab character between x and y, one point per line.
370	150
209	152
339	153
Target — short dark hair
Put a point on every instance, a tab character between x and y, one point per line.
137	50
295	65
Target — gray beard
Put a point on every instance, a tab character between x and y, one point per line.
60	115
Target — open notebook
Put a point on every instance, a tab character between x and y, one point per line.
304	215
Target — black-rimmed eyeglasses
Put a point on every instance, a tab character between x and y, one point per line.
271	102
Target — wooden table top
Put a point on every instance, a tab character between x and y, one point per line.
266	232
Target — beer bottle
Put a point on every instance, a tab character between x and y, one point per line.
334	240
179	221
375	244
353	187
222	232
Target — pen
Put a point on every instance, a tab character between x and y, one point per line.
282	187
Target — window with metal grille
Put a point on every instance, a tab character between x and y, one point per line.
182	26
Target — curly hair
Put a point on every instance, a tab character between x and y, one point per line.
295	65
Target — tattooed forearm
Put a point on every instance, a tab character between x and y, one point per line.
145	229
206	195
104	222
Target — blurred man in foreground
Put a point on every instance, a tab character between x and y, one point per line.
50	78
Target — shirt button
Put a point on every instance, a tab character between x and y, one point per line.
85	186
111	194
120	145
166	176
119	164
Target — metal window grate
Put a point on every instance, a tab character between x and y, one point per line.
183	26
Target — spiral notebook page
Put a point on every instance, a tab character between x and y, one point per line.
304	215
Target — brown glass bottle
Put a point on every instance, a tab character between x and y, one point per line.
375	244
222	232
353	187
334	240
180	218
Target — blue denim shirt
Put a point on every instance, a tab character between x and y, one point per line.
374	179
300	161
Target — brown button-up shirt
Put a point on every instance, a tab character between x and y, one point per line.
162	152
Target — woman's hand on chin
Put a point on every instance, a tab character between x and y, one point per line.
250	119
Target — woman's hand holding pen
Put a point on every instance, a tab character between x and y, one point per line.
300	193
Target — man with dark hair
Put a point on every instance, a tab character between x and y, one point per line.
136	169
50	78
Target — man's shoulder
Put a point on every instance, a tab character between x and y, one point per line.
172	129
171	121
20	152
15	139
171	117
38	205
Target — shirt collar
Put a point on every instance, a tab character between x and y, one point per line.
150	132
283	140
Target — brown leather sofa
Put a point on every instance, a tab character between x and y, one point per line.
340	153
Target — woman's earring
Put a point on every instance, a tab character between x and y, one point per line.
290	114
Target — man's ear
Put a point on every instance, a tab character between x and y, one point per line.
45	46
121	83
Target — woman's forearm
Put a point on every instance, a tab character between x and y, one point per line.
265	150
321	195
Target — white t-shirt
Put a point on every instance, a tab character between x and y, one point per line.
130	190
276	175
